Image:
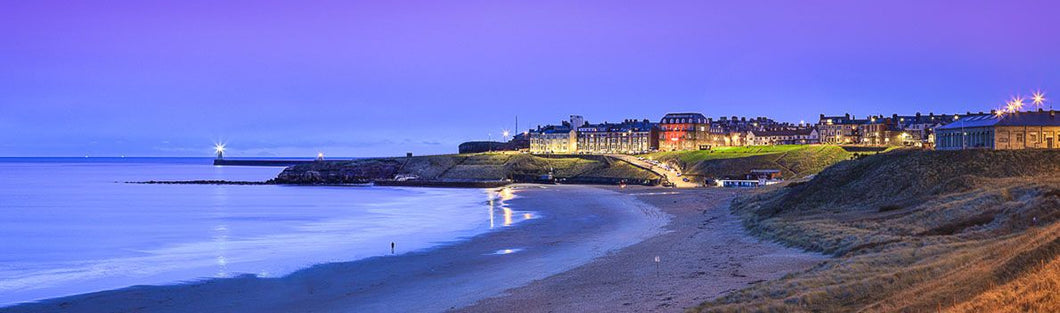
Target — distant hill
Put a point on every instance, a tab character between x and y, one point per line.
794	161
915	231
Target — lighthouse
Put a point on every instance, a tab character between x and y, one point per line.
220	149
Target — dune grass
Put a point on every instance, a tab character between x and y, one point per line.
913	231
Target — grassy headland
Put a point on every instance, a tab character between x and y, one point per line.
794	161
914	231
464	167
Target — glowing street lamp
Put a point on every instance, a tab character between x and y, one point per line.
1017	103
1038	98
505	133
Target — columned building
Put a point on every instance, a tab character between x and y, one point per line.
1021	130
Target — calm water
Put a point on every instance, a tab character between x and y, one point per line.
70	226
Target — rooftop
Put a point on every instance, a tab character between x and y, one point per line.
1029	118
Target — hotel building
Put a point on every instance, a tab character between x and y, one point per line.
684	131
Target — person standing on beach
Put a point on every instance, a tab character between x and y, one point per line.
391	247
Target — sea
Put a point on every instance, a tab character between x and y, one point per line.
76	225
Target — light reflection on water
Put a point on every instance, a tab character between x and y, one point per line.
507	251
498	198
86	232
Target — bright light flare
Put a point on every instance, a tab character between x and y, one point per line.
1017	103
1038	98
219	147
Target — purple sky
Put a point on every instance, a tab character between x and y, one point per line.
381	78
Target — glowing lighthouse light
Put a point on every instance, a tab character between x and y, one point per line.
320	156
220	149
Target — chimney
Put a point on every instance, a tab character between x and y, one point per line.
822	116
848	116
918	114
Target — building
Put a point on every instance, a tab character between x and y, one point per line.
553	139
1021	130
630	136
561	139
838	130
732	132
919	130
878	130
756	178
684	131
792	136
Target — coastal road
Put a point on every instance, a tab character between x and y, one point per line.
670	175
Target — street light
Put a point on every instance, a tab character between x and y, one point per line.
1038	98
1017	103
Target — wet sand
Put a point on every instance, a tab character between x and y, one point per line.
705	254
577	225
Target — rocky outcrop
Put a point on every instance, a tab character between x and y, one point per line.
340	172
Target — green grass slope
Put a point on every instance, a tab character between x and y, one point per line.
795	161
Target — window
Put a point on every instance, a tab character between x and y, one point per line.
1019	137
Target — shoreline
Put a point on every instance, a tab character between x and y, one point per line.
704	253
577	225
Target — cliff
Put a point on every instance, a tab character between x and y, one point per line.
468	168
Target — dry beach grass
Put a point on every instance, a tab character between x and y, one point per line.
914	231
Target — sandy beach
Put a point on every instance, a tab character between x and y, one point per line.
592	249
704	254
